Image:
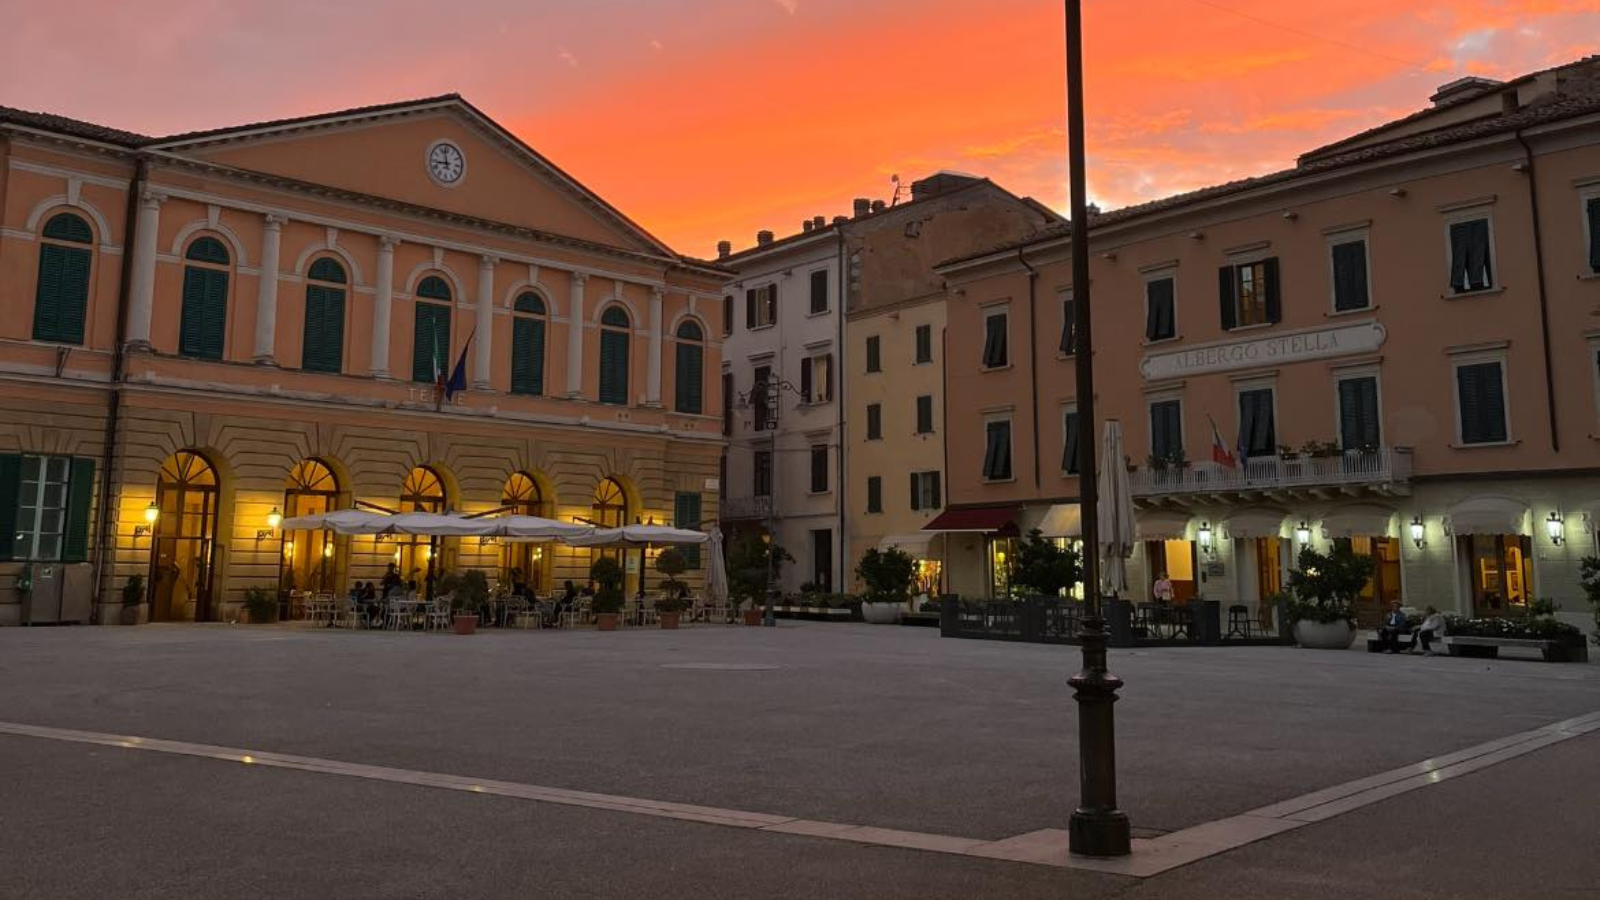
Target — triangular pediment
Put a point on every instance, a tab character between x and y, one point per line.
441	154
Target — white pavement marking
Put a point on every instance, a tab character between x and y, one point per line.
1047	847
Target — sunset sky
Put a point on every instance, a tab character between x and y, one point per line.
708	119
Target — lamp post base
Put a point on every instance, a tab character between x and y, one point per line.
1098	827
1101	833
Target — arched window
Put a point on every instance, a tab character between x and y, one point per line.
422	491
610	509
430	348
323	347
62	295
527	345
614	326
205	299
690	380
310	558
523	561
182	549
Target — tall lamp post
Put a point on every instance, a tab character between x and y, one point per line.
1097	827
772	390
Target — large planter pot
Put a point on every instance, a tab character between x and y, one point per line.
882	613
465	624
752	617
1324	635
606	621
669	620
134	615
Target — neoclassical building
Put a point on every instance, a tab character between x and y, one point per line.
205	329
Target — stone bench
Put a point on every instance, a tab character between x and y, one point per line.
1406	641
1489	648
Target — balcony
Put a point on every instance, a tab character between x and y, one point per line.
734	508
1385	471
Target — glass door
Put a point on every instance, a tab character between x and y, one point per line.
183	550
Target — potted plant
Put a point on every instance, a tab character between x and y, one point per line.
260	605
1044	567
468	591
674	592
133	611
606	573
888	576
753	560
1589	578
1325	586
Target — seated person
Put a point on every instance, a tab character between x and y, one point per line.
1394	625
368	592
1432	627
391	579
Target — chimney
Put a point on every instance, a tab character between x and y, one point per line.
806	226
878	206
1463	89
840	220
819	223
763	238
863	206
724	249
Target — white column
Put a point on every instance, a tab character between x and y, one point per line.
652	395
142	278
483	353
575	336
382	300
267	291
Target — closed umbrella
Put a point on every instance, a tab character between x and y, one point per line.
1115	514
717	573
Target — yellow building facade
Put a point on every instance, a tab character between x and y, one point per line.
205	330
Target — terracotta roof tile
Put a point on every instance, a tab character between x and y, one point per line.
297	120
70	127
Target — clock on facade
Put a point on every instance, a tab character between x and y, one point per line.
446	164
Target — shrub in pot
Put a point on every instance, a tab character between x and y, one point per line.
1325	587
1044	567
669	607
607	575
1589	578
751	562
260	605
468	591
888	576
132	599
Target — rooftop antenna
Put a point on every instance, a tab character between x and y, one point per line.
895	180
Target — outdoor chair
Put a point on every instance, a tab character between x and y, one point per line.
577	615
350	615
521	614
439	613
1147	619
1238	621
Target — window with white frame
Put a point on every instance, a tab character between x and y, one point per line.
1349	277
819	468
42	491
761	306
1250	293
1360	415
1258	431
819	292
1166	429
996	354
1482	416
1471	248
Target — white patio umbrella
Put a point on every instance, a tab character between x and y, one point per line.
716	570
1114	518
535	528
342	521
637	536
440	525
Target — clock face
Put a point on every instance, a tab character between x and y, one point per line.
445	162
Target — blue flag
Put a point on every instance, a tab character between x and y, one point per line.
458	376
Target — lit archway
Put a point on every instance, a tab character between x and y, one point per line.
423	490
310	559
183	548
520	561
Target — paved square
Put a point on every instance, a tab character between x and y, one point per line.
892	728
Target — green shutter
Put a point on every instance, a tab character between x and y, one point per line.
527	356
80	493
10	482
1350	276
1593	211
323	349
431	342
62	295
205	310
1225	297
686	514
614	367
690	377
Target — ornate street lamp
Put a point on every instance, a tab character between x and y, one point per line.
772	390
1098	827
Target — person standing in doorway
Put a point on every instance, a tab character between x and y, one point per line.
1162	590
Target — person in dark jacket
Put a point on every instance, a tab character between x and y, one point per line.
1394	625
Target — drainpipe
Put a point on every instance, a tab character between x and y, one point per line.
118	378
944	422
1033	359
839	382
1544	304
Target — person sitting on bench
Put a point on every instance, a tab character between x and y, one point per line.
1432	627
1394	625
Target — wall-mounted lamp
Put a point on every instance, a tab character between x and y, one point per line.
151	514
1418	532
274	519
1302	532
1204	534
327	550
1555	526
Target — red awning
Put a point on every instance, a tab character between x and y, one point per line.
983	520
